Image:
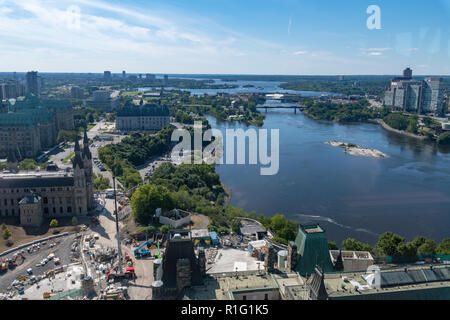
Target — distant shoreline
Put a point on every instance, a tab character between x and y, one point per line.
389	128
381	123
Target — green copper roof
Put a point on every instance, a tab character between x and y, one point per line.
16	119
31	111
312	249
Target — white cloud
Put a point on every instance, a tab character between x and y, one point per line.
40	33
299	53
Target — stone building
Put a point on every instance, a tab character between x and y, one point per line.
146	117
35	196
31	125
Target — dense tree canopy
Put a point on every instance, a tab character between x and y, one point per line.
147	199
444	247
353	112
354	245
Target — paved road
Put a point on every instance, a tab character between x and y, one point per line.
61	250
140	288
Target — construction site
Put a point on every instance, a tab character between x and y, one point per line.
101	263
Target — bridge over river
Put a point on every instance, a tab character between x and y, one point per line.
282	106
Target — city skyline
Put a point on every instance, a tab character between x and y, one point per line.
271	37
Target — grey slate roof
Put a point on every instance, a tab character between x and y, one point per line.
35	182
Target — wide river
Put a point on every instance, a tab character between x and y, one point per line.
407	193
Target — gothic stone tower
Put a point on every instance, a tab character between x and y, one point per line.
80	186
89	172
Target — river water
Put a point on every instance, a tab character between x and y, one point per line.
407	193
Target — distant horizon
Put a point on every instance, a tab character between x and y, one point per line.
228	74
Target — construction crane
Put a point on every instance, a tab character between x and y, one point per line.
119	249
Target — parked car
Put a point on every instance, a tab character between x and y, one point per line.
29	271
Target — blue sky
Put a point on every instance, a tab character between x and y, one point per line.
224	36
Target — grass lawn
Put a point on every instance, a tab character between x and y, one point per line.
69	157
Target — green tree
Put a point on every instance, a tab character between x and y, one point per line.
354	245
407	249
444	247
147	199
388	244
74	221
164	228
54	223
101	183
332	245
27	164
6	234
66	136
4	226
418	241
444	139
427	248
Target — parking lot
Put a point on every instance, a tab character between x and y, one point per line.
61	250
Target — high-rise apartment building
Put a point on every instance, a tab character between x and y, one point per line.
407	73
421	96
33	86
11	89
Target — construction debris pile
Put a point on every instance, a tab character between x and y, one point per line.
103	254
211	254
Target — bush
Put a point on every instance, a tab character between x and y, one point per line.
101	183
444	139
54	223
164	229
332	245
74	221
